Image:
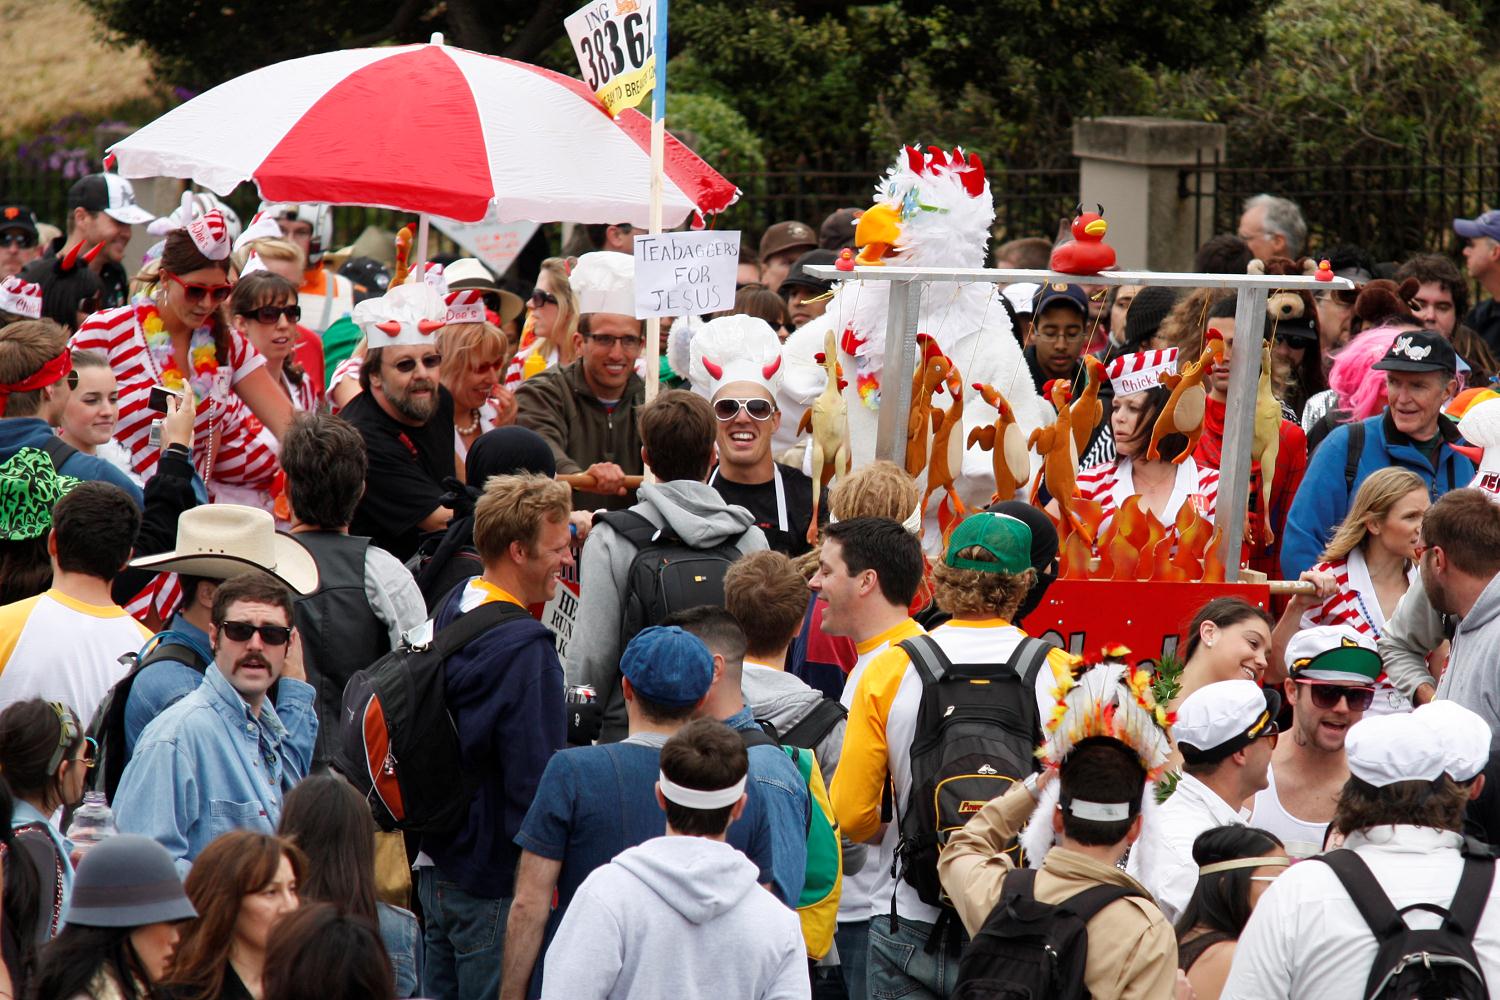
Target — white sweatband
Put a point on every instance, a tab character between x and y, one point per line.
1237	863
1099	812
699	798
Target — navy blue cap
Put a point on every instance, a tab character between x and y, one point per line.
1487	225
1055	291
668	666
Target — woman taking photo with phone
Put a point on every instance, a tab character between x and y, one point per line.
180	337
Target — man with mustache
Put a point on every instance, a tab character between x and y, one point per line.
405	417
222	757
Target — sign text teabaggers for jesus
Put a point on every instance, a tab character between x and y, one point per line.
677	274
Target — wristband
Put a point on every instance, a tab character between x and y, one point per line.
1030	785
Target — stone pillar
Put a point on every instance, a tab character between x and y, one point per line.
1132	166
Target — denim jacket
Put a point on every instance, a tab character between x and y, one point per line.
776	786
164	682
208	765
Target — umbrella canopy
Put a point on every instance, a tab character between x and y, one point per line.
424	128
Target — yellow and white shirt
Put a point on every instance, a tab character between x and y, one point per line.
61	649
877	742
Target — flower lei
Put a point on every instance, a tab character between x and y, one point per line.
201	354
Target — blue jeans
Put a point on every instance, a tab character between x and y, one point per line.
852	938
464	938
901	966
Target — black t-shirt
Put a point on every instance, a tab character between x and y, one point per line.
407	466
1484	319
760	501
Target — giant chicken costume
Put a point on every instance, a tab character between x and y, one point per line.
931	209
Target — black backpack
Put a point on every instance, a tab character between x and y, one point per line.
108	725
976	735
1434	964
397	743
666	574
808	731
1030	950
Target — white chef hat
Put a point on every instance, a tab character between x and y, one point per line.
408	315
1386	749
732	349
1464	736
604	282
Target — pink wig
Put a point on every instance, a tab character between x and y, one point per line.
1360	387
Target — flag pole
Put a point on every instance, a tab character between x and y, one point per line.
658	155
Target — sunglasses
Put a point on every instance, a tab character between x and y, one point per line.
23	240
1327	696
272	314
408	365
729	408
540	298
195	293
608	343
271	635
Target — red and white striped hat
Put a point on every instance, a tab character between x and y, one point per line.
21	298
1141	371
466	306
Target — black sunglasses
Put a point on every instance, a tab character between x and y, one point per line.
728	408
272	314
407	365
13	239
540	298
1326	696
271	635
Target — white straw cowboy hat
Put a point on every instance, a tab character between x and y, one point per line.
222	540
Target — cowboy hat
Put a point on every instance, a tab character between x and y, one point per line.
223	540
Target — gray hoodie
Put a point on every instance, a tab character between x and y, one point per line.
782	699
1413	632
1470	678
700	517
678	917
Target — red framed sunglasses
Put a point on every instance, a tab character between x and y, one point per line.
196	293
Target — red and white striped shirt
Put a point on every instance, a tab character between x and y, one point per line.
1357	604
117	334
1112	483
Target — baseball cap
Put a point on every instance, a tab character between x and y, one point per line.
784	236
667	665
1486	225
1420	351
18	217
1464	736
1301	329
110	194
370	278
1218	719
1332	653
1055	291
837	231
1386	749
1006	538
798	276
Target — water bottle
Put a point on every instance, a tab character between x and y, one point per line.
92	822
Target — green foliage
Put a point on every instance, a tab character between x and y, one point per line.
1344	80
714	130
1167	683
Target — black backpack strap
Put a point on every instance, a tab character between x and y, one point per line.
1027	658
1473	893
756	737
635	528
58	450
1365	892
1352	457
470	625
176	652
810	730
928	657
1019	882
1086	904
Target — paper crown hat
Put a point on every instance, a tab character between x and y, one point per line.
21	298
604	282
1140	371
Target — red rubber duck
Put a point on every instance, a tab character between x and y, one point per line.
1088	253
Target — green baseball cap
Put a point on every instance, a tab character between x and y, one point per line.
1006	538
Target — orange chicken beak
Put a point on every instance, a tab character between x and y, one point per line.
876	233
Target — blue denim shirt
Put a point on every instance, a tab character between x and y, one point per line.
402	937
208	765
777	787
164	682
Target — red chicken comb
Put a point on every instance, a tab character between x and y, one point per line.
914	159
938	158
973	178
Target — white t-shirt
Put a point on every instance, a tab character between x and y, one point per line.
60	649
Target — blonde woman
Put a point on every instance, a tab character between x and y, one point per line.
1368	565
473	358
547	337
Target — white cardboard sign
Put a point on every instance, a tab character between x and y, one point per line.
680	274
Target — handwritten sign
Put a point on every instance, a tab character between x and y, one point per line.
495	244
680	274
615	44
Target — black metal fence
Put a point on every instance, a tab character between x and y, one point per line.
1392	209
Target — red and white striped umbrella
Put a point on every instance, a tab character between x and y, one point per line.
424	128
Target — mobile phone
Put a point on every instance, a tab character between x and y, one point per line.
158	398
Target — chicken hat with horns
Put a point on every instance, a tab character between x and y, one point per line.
727	350
1109	699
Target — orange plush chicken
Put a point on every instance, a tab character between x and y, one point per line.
926	382
1059	459
1183	412
1006	444
946	451
403	254
1087	410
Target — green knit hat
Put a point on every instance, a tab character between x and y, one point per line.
29	486
1006	538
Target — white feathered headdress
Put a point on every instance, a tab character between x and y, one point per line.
1111	699
724	350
